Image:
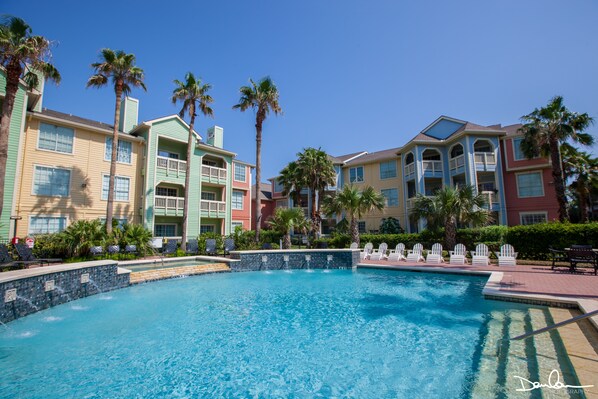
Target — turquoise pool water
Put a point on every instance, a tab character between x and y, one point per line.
365	334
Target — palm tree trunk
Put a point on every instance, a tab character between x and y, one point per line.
315	226
187	175
110	203
258	174
13	73
354	230
286	241
582	193
450	233
557	177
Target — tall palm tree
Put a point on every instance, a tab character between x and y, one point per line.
318	172
262	97
286	219
23	56
354	203
119	67
193	93
292	182
582	168
449	207
545	130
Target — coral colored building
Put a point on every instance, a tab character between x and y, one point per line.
267	204
241	195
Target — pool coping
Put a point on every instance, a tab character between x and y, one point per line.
492	289
63	267
212	259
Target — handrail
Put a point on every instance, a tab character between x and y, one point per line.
557	325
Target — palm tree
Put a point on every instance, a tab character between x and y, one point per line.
292	182
449	207
262	97
286	219
193	94
355	204
121	69
317	173
582	168
545	130
23	56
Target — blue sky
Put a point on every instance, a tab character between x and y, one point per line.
353	75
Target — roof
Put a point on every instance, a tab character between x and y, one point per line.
244	163
75	119
512	130
265	191
344	158
375	156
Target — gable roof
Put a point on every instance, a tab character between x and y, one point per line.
347	157
375	156
265	191
150	122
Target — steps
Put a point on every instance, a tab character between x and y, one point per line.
172	272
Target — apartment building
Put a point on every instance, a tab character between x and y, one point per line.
241	196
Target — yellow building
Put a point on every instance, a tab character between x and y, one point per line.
65	166
381	170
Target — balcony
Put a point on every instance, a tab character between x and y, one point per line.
212	174
492	202
410	202
171	170
485	161
213	209
456	163
432	168
169	206
410	170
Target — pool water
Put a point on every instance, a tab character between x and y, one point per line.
325	333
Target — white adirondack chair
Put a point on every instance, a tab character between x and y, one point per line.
367	249
380	253
354	245
415	254
398	253
458	255
435	255
507	256
479	257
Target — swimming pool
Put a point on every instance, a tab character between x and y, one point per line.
325	333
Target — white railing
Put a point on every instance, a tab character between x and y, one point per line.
485	158
213	206
410	202
164	202
409	169
457	162
432	166
213	172
491	198
171	164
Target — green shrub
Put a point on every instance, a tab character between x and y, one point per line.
270	236
136	234
244	240
50	246
205	236
390	225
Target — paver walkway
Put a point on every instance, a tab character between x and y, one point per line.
171	272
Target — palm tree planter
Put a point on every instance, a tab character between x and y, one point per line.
262	97
121	69
193	93
22	56
545	130
286	219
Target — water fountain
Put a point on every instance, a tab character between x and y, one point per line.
28	302
328	261
62	292
94	285
308	261
264	261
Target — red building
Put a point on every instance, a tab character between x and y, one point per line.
267	204
241	195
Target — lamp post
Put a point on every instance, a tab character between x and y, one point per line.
16	219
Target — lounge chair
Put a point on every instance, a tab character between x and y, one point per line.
6	259
479	257
171	247
211	246
267	245
435	255
113	249
157	243
26	255
322	245
354	245
380	253
367	249
506	256
415	254
457	255
582	255
557	255
398	253
192	247
130	249
229	245
96	251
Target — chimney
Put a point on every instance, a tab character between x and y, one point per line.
129	114
215	136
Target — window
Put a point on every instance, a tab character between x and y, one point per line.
234	225
165	230
46	225
237	202
517	152
356	174
532	217
283	203
124	150
165	154
278	187
52	182
530	185
361	227
208	196
121	188
392	196
209	162
388	169
55	138
206	228
120	223
167	192
240	172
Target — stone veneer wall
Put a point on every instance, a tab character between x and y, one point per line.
104	276
252	260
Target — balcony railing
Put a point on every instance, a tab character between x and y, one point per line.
410	203
485	158
169	203
213	172
457	162
491	198
171	165
432	166
409	169
213	206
